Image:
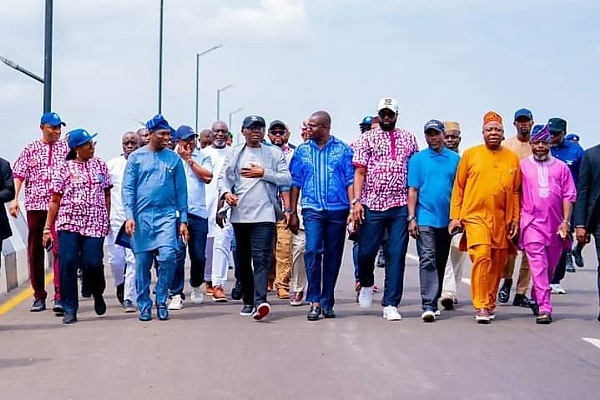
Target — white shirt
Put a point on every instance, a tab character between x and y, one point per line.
116	169
217	157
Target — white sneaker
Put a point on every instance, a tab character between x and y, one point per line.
196	295
428	316
555	288
391	313
437	313
176	303
365	297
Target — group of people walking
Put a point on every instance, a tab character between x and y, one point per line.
283	213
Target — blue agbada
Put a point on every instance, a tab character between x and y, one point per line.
154	194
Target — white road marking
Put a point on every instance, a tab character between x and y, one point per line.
595	342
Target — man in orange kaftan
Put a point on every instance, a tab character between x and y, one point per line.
485	204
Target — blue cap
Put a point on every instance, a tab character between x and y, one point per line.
523	112
253	120
184	132
78	137
158	122
52	119
557	125
573	137
368	120
435	125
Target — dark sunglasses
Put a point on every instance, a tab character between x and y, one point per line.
277	133
129	142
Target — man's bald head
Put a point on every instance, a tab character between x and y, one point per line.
322	117
220	134
205	138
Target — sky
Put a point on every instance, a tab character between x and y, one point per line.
442	59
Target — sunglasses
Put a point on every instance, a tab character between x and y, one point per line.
129	142
277	133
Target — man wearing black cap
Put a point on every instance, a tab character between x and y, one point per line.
34	168
249	183
571	154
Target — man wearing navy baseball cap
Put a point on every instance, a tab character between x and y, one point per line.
430	179
36	163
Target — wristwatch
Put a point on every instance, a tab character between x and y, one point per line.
355	200
411	218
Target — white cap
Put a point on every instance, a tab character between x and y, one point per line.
389	103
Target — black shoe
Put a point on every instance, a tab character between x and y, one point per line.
328	313
69	318
57	308
569	267
544	319
236	291
535	308
99	305
247	310
522	301
86	293
38	305
313	313
577	257
162	313
447	303
504	293
121	293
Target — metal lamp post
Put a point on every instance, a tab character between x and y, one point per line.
231	114
219	99
198	55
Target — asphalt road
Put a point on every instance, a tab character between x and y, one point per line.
209	351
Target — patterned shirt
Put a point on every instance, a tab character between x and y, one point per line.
323	174
385	156
35	166
83	205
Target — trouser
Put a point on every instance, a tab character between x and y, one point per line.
433	246
36	220
167	263
122	266
561	268
221	251
355	259
208	252
298	281
542	262
80	251
254	243
369	239
196	246
524	272
597	243
488	265
324	248
454	269
283	257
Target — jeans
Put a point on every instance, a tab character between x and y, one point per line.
167	263
77	251
433	246
370	237
254	243
198	230
355	259
325	236
597	243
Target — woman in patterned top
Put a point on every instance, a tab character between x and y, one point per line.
80	206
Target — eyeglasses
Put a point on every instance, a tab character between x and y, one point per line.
277	133
555	133
130	142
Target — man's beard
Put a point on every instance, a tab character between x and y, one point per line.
541	157
387	126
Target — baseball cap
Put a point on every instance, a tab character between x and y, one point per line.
252	120
52	119
184	132
451	126
435	125
557	125
572	137
368	120
78	137
523	112
389	103
277	123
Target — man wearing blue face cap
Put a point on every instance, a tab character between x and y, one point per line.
154	196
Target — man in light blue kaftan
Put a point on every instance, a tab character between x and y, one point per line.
155	200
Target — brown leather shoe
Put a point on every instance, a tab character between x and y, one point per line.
270	287
297	298
209	288
283	294
219	295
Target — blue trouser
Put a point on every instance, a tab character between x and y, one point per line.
74	251
433	246
370	238
198	230
325	236
355	259
167	263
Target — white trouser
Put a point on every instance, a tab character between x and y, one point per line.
298	280
220	256
454	269
122	266
210	244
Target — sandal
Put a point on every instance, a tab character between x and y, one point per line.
544	318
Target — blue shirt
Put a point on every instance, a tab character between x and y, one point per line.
154	191
196	188
433	173
323	175
570	153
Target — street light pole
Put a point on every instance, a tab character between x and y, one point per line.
48	56
231	115
219	99
198	55
160	57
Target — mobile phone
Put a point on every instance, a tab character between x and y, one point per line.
456	231
49	245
